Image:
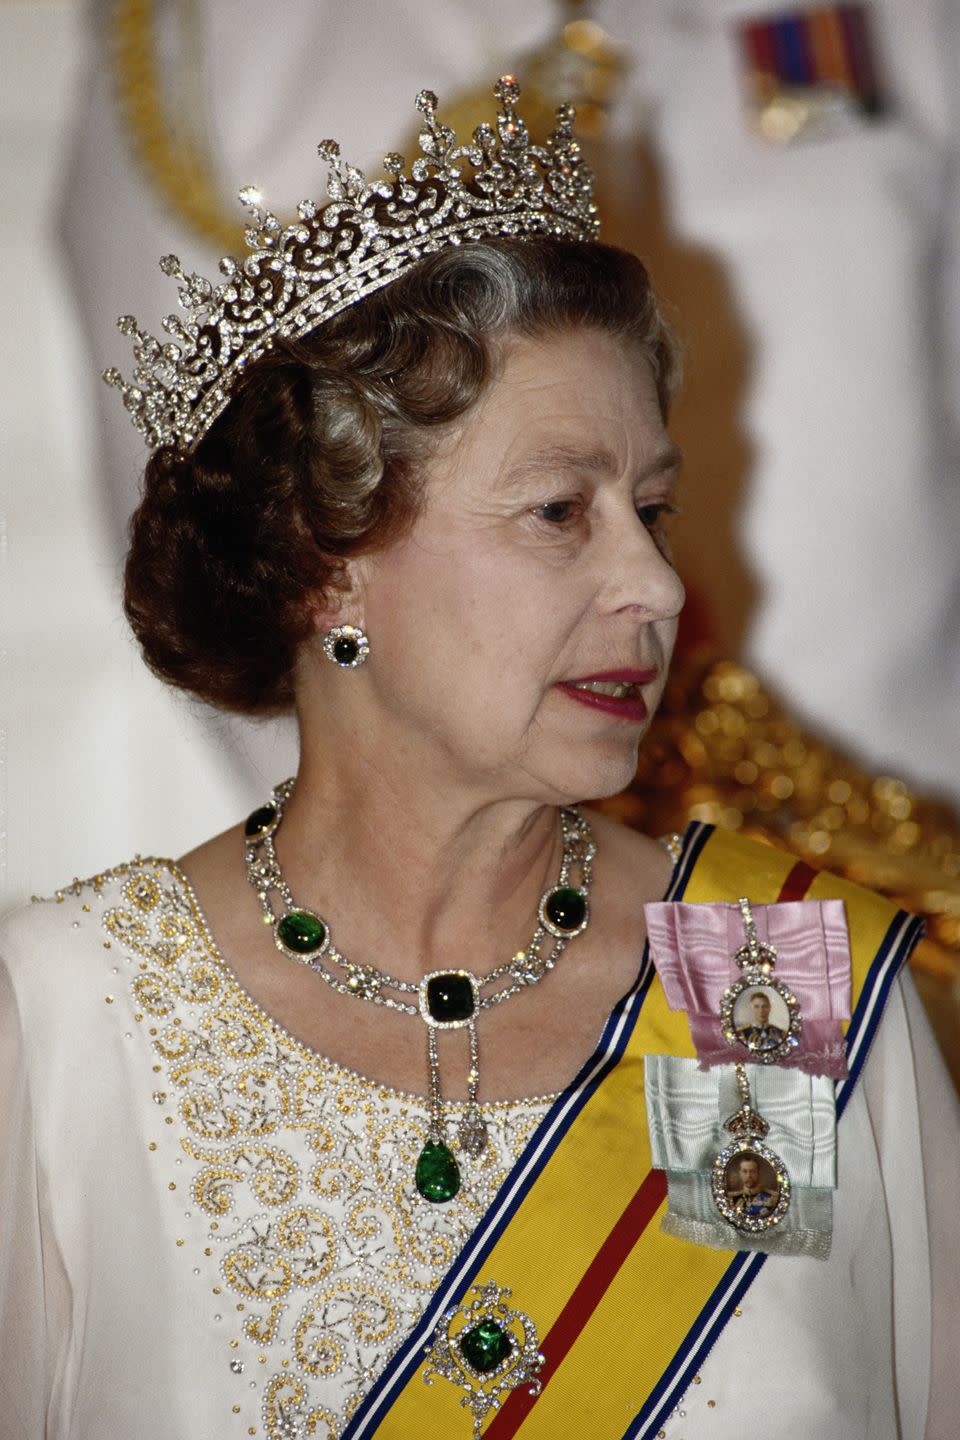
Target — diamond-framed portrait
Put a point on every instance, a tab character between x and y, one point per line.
751	1186
762	1015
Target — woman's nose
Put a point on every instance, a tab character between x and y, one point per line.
640	575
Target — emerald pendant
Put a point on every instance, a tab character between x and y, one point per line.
302	932
485	1346
487	1349
437	1174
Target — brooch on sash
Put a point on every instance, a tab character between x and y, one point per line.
486	1349
751	1187
758	1012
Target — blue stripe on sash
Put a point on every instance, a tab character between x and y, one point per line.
544	1141
904	932
706	1330
792	51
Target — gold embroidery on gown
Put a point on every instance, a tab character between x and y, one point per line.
311	1240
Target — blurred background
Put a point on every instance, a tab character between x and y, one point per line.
792	176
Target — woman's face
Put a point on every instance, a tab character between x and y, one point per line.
520	633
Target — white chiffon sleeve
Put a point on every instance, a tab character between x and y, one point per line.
23	1340
915	1115
940	1139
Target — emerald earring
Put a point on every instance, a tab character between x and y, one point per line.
346	646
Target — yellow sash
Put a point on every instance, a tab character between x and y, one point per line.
575	1232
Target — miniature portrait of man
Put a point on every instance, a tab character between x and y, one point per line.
751	1187
753	1024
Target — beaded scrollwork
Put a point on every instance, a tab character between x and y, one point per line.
318	1255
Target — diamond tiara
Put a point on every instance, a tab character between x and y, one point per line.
360	239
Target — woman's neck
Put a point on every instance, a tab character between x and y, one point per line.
414	879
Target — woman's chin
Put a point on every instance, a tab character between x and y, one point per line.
598	769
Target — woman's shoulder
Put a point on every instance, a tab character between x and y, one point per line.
47	941
641	864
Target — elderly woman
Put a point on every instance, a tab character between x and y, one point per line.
380	1087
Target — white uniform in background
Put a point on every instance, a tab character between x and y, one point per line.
844	256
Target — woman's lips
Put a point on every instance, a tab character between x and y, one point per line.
616	692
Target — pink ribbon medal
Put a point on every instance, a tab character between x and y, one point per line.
768	984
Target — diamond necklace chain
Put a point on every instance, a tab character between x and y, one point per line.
445	999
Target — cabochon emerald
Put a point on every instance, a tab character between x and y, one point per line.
565	908
259	821
450	997
485	1346
437	1174
302	932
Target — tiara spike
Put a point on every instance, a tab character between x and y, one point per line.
360	238
507	90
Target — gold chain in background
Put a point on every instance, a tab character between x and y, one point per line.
176	165
722	749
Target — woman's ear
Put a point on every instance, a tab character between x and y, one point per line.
337	622
341	603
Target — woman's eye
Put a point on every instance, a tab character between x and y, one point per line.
653	514
557	512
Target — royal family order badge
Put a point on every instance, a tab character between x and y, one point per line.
766	990
758	1012
750	1184
751	1187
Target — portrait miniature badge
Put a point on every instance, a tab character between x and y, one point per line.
758	1012
750	1183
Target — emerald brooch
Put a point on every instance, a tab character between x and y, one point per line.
486	1349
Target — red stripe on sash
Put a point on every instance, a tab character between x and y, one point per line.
599	1274
586	1297
798	882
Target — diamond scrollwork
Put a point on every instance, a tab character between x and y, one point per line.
486	1349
